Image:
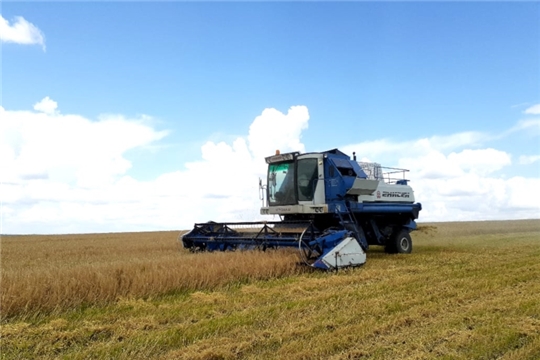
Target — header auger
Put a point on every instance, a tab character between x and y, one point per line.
331	208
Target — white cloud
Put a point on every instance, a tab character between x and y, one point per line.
461	185
465	194
273	130
473	197
46	105
67	149
532	125
65	173
481	161
385	148
21	32
530	159
533	110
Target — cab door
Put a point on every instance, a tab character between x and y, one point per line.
310	179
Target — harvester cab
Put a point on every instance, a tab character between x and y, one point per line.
330	207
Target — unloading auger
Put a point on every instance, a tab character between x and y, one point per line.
331	208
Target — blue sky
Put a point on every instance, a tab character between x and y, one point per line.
371	76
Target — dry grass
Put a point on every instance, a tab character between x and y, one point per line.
53	273
468	291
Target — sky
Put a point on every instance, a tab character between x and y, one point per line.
144	116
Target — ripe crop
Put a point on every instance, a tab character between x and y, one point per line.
469	290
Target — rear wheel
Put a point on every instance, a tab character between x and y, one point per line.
400	243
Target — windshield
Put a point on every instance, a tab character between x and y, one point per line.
281	184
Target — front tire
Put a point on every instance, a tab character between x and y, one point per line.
400	243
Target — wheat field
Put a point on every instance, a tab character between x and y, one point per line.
42	274
469	290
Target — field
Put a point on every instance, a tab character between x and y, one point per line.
468	291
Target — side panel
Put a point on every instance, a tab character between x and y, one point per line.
393	193
295	209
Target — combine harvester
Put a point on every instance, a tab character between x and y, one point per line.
331	208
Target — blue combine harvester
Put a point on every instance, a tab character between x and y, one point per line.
331	208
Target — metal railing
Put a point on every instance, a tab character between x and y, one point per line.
389	175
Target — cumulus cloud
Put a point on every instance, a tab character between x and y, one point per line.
452	187
66	173
227	175
464	185
533	110
385	149
20	32
457	177
481	161
274	130
67	149
436	165
46	105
